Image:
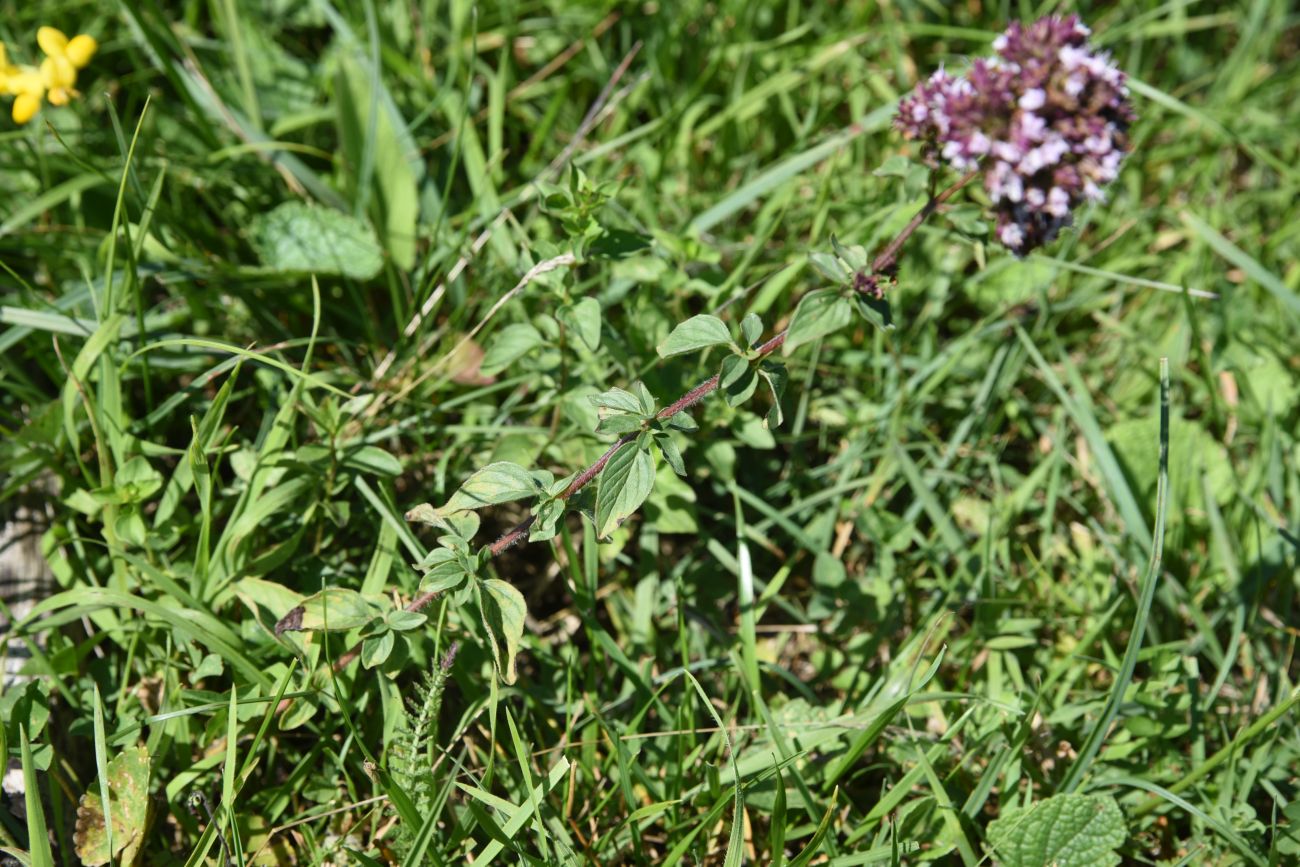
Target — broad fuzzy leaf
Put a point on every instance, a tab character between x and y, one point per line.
299	238
1065	831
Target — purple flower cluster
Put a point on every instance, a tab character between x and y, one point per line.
1045	120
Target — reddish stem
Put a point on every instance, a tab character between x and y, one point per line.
885	261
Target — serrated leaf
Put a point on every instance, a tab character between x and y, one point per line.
336	609
128	792
819	313
375	650
1064	831
499	482
698	332
625	482
510	344
505	610
299	238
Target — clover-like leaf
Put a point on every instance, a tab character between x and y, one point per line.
1065	831
128	794
698	332
625	482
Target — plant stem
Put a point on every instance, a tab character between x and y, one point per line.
884	262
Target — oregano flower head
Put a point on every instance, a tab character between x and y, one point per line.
1045	121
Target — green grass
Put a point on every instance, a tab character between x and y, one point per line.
955	582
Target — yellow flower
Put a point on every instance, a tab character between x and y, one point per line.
28	87
63	58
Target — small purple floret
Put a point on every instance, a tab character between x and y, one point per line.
1045	120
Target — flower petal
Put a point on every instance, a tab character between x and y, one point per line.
52	41
25	107
81	49
58	72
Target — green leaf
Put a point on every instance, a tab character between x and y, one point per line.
830	267
499	482
128	792
546	520
672	454
742	387
372	459
695	333
584	319
876	311
376	649
443	569
774	374
336	609
644	398
404	621
614	402
136	480
855	256
624	484
299	238
1064	831
619	424
505	610
819	313
511	343
462	524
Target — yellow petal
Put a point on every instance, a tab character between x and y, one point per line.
81	49
52	41
27	79
25	107
59	96
58	72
